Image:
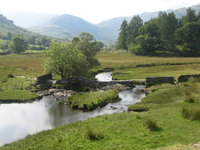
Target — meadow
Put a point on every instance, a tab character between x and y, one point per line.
129	130
164	119
25	67
17	73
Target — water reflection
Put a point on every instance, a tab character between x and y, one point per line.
20	120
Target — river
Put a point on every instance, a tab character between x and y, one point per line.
19	120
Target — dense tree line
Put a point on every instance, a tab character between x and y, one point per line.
20	42
164	36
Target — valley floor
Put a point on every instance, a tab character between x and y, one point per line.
170	110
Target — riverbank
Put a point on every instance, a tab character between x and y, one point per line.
17	96
93	100
129	130
167	107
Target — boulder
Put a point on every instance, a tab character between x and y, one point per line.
185	78
159	80
44	82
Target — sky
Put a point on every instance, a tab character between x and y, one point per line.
94	11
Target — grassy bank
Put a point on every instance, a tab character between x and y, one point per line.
93	100
121	59
21	64
165	70
128	66
17	72
11	95
130	130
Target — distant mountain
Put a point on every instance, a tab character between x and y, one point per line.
8	26
28	19
67	26
112	26
52	31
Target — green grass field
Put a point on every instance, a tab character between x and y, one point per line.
116	59
23	68
17	95
168	105
126	131
165	70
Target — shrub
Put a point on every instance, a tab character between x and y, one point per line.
191	112
137	108
10	76
93	136
190	100
58	86
151	125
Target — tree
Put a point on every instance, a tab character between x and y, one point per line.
19	45
9	36
190	16
122	39
198	17
43	41
100	45
133	29
88	46
66	61
167	26
32	40
144	45
190	38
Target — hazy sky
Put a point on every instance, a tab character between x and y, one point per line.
93	10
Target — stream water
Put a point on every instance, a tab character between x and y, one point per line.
20	120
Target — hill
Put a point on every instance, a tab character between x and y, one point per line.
22	19
112	26
7	26
67	26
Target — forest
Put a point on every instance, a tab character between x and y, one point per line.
162	36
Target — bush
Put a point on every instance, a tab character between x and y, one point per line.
151	125
191	112
10	76
137	108
93	136
190	100
58	86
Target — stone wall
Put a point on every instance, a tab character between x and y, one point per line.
44	82
159	80
83	84
185	78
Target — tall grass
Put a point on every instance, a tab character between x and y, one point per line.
191	112
93	135
152	125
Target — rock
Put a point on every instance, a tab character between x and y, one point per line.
57	93
159	80
141	90
185	78
113	107
42	79
197	145
44	82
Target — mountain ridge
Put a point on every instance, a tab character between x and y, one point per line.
67	26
